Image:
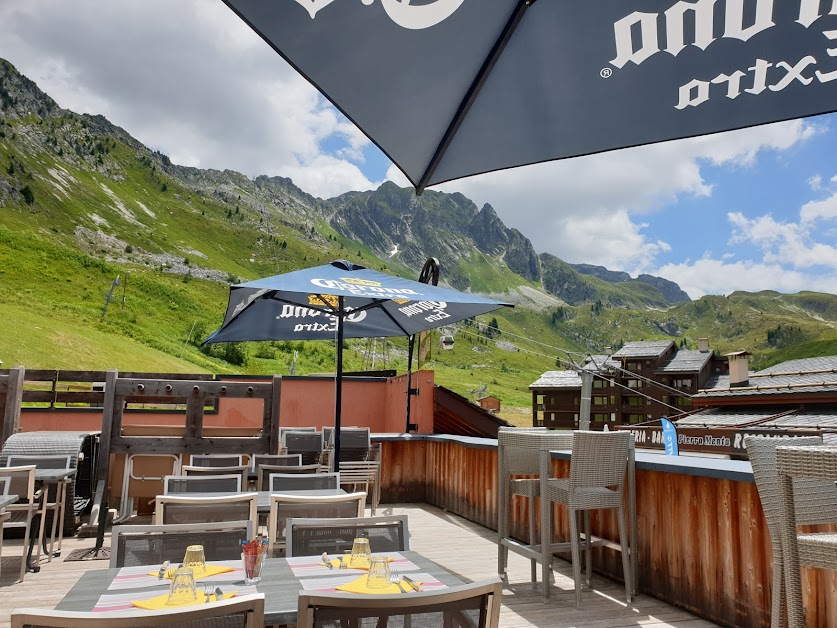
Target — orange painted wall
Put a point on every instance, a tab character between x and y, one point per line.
377	404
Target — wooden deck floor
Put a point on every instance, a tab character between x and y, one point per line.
462	547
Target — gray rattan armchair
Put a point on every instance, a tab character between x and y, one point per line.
180	509
597	481
796	467
246	611
279	482
153	544
282	460
241	470
475	605
312	537
264	471
215	460
309	444
518	451
815	501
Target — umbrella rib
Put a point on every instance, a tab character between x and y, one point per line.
473	92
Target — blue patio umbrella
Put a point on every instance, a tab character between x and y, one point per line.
341	300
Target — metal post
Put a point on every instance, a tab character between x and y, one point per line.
410	346
586	393
339	384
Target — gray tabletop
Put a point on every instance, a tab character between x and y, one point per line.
52	476
264	496
7	500
279	584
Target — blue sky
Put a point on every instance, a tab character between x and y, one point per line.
748	210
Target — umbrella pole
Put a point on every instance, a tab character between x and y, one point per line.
410	345
338	395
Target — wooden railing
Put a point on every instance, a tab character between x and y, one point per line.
703	540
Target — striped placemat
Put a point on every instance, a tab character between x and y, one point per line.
312	566
112	602
138	578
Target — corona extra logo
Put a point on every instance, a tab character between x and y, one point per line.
322	299
402	12
360	282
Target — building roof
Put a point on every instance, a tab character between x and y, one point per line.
454	414
778	417
805	376
644	349
557	379
686	361
600	363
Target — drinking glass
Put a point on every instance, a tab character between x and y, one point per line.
378	572
182	589
360	553
253	564
195	560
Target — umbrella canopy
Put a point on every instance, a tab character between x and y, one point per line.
341	300
452	88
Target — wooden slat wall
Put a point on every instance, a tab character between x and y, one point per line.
703	542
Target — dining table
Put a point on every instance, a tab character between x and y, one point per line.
113	590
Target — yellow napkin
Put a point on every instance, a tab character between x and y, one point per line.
209	571
360	585
159	603
361	564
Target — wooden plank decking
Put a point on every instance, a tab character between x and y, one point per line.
463	547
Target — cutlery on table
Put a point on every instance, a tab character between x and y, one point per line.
207	591
415	585
219	594
327	560
163	569
395	578
343	563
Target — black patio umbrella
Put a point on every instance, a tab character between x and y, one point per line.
452	88
341	300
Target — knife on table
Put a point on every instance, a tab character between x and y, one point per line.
415	585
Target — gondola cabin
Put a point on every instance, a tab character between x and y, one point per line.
446	342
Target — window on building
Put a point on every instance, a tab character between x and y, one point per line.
601	418
599	400
635	401
685	382
636	418
635	383
601	383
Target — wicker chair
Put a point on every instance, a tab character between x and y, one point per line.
246	611
803	468
597	481
284	507
21	482
475	605
174	484
312	537
55	496
518	451
4	516
814	501
279	482
153	544
282	460
215	460
179	509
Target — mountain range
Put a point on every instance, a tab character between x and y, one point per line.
77	185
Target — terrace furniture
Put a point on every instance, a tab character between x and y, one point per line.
518	452
815	501
174	484
819	550
21	482
355	443
285	460
309	444
284	482
215	460
597	481
265	471
474	605
312	537
183	509
246	611
55	499
240	470
5	500
363	475
282	580
284	507
133	545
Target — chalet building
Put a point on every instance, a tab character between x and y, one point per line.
641	382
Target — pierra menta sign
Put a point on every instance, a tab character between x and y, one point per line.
637	40
728	441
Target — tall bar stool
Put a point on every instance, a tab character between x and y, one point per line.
517	454
598	470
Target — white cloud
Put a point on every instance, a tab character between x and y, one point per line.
191	80
713	276
819	210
